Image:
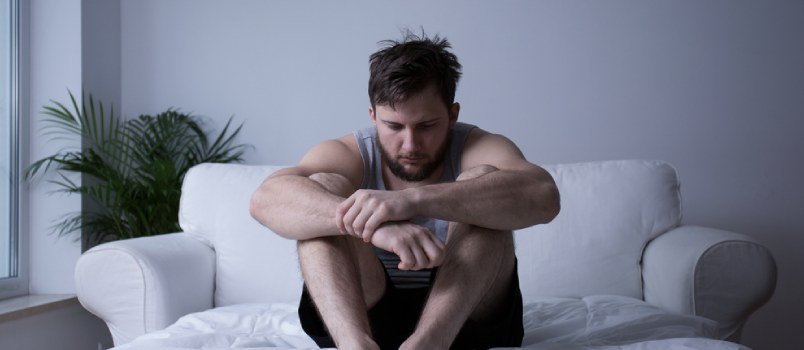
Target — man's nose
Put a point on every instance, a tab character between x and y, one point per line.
410	142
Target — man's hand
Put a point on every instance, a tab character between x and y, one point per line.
365	210
416	246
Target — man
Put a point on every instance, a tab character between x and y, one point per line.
405	229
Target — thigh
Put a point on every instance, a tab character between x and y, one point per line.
393	318
504	329
374	280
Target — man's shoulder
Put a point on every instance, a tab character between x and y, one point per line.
339	155
480	137
349	143
475	136
342	149
482	145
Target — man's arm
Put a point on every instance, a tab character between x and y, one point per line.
511	194
297	207
296	203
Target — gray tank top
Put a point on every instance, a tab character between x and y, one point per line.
372	179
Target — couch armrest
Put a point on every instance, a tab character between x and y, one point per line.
145	284
720	275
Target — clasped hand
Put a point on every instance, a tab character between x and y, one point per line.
380	218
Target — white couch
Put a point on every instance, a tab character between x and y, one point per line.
618	239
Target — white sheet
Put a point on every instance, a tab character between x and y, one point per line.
601	322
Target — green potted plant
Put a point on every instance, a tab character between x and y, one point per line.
132	169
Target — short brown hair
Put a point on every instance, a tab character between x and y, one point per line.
404	68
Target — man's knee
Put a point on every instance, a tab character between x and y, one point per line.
479	240
334	183
476	172
343	244
334	242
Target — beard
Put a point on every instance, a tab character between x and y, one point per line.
427	168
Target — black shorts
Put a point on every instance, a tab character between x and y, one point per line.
394	317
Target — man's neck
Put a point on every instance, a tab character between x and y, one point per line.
393	183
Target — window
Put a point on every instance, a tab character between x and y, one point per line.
13	279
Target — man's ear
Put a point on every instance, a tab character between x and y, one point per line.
372	116
453	113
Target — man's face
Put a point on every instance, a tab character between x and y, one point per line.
414	137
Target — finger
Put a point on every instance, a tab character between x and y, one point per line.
439	242
421	258
343	207
434	238
360	221
371	225
434	253
405	259
349	218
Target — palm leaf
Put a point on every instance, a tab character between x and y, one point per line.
136	166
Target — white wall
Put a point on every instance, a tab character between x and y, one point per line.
712	87
57	54
55	66
55	60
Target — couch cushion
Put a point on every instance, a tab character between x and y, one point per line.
253	264
609	211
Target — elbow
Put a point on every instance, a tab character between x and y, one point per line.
552	204
546	201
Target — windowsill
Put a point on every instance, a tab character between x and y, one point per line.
32	304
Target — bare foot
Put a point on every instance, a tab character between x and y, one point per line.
360	343
415	342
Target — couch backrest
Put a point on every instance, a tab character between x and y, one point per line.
609	211
252	264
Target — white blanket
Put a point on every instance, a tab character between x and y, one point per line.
602	322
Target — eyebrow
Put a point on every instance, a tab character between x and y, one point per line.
434	120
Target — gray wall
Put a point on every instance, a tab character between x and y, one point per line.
713	87
100	73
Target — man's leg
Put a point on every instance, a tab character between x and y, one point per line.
343	276
471	283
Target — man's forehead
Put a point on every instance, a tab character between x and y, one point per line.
410	115
402	120
412	111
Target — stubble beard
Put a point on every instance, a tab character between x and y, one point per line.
425	170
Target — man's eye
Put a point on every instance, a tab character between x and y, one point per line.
395	127
425	127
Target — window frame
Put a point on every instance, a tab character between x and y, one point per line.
18	285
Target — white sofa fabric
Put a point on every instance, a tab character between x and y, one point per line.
617	234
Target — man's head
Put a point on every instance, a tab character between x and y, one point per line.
412	90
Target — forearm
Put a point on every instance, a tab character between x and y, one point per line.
296	207
498	199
